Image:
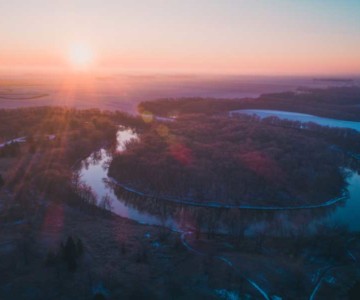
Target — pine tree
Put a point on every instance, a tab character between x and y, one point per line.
99	296
70	254
2	181
79	247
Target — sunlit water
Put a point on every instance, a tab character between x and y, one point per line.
292	116
93	172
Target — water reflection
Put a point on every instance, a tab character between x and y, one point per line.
234	221
237	222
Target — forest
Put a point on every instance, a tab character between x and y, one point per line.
41	146
57	244
237	161
335	102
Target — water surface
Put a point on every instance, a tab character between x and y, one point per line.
94	169
304	118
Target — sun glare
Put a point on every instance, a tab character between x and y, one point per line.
81	56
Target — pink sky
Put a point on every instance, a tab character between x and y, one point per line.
229	36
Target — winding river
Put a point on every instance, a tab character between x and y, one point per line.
93	172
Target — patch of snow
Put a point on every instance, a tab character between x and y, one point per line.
156	244
351	255
331	279
229	295
17	140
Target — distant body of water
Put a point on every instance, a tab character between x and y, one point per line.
264	113
125	91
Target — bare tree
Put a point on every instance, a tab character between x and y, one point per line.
106	203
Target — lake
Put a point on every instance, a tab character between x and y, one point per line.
304	118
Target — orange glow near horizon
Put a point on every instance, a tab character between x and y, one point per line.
82	58
222	37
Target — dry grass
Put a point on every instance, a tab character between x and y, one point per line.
133	261
6	163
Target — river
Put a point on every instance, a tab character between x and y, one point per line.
93	172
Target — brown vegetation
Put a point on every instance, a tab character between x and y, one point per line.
231	161
56	138
337	102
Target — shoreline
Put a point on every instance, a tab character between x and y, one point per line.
228	206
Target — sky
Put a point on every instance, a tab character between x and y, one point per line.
207	36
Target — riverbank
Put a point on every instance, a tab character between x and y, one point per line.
298	117
330	202
120	253
242	162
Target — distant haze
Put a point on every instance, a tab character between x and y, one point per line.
125	91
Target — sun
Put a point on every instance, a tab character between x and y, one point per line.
81	56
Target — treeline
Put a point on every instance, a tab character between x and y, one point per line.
52	120
232	160
337	102
232	221
340	138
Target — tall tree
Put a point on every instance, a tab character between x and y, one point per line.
2	181
70	254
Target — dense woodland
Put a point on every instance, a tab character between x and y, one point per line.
242	160
53	246
336	102
51	120
55	139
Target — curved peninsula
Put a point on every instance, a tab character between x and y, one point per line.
241	162
191	202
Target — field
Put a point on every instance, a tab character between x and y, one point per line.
123	259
